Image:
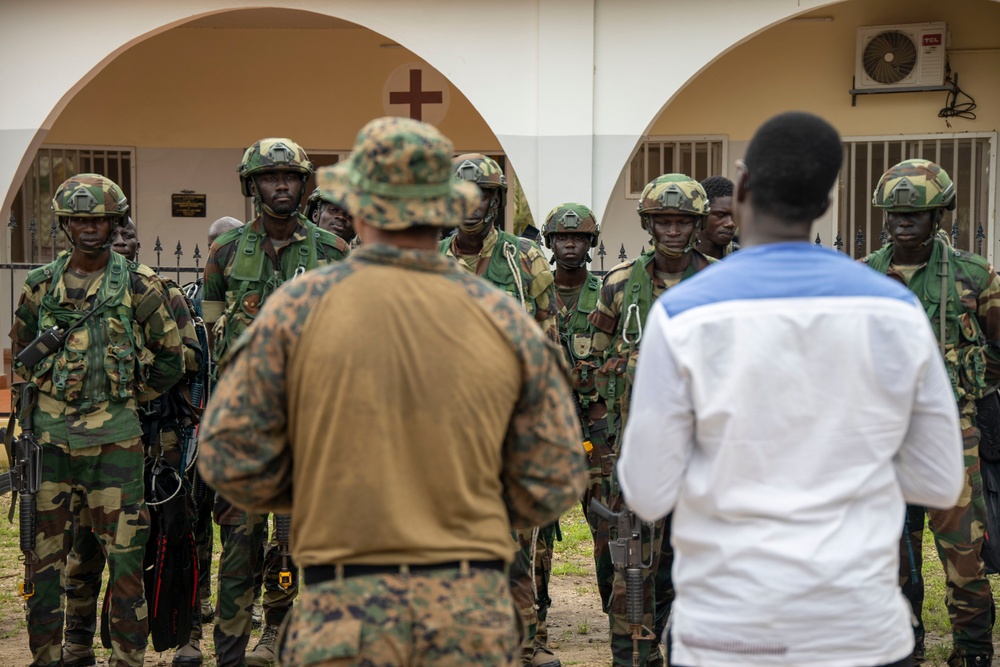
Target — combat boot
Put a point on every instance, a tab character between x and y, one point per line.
543	657
78	655
189	655
956	659
207	612
264	653
918	656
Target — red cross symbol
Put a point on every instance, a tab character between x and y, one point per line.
415	96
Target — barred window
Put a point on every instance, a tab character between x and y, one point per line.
698	157
969	158
35	236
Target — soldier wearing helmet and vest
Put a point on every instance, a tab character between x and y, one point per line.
517	266
330	217
86	416
914	196
244	267
672	207
570	232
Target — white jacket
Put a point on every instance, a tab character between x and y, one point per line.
788	402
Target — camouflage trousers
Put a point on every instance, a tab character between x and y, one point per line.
958	536
105	480
544	545
444	618
277	600
522	589
85	566
242	535
204	539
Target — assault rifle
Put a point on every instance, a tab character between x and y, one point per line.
25	478
628	535
283	533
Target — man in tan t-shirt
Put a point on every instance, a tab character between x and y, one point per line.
356	402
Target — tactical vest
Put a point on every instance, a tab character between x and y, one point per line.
104	359
616	376
507	251
254	277
964	344
578	339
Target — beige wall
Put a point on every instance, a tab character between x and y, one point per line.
223	88
182	97
809	65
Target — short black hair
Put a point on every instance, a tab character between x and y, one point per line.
717	186
793	161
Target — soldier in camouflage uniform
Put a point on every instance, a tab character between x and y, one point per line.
244	267
672	207
459	412
914	196
570	231
86	561
717	238
517	266
86	418
331	218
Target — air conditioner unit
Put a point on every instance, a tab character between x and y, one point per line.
900	57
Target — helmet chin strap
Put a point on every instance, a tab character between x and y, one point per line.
570	266
663	249
261	206
488	219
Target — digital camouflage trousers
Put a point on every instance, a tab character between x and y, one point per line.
439	618
104	483
958	536
657	583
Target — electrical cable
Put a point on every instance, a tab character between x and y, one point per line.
952	108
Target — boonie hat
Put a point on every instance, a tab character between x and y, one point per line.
399	175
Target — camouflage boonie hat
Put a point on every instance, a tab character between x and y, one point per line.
273	155
90	196
914	185
399	175
571	218
674	192
481	170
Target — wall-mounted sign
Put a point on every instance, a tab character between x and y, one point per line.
187	204
418	91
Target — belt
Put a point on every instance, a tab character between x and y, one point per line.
317	574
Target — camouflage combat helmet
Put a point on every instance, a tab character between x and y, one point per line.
914	185
481	170
571	218
273	155
90	196
673	192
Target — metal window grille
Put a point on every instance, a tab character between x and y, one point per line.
969	158
698	157
37	237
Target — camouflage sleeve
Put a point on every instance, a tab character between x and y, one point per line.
608	309
542	289
183	315
213	303
24	328
988	314
544	470
151	306
244	438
